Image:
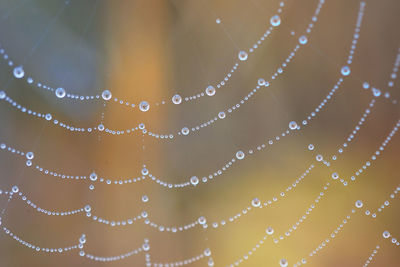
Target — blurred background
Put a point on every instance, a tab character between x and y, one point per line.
151	50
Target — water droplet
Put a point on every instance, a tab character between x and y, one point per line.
202	220
210	262
15	189
48	116
146	247
19	72
283	263
386	234
176	99
106	95
210	90
145	198
359	204
319	157
82	240
185	131
93	176
221	115
261	82
88	208
144	106
194	180
30	155
218	20
100	127
345	70
303	39
292	125
207	252
310	147
240	154
60	92
376	92
365	85
335	175
2	95
275	20
256	202
242	55
145	171
269	230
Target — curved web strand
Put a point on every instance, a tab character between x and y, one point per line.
106	95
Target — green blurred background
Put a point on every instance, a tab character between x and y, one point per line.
150	50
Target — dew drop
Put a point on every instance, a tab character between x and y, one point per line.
310	147
319	157
292	125
106	95
283	263
82	240
15	189
145	171
275	20
144	106
210	90
88	208
100	127
146	247
359	204
242	55
207	252
256	202
210	262
60	92
194	180
240	154
303	39
221	115
386	234
30	155
269	230
218	20
19	72
345	70
48	116
176	99
202	220
2	95
376	92
335	175
261	82
185	131
145	198
93	176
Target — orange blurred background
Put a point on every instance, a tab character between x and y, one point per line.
151	50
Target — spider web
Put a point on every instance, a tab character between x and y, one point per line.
243	187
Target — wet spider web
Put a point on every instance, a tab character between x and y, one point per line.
203	133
